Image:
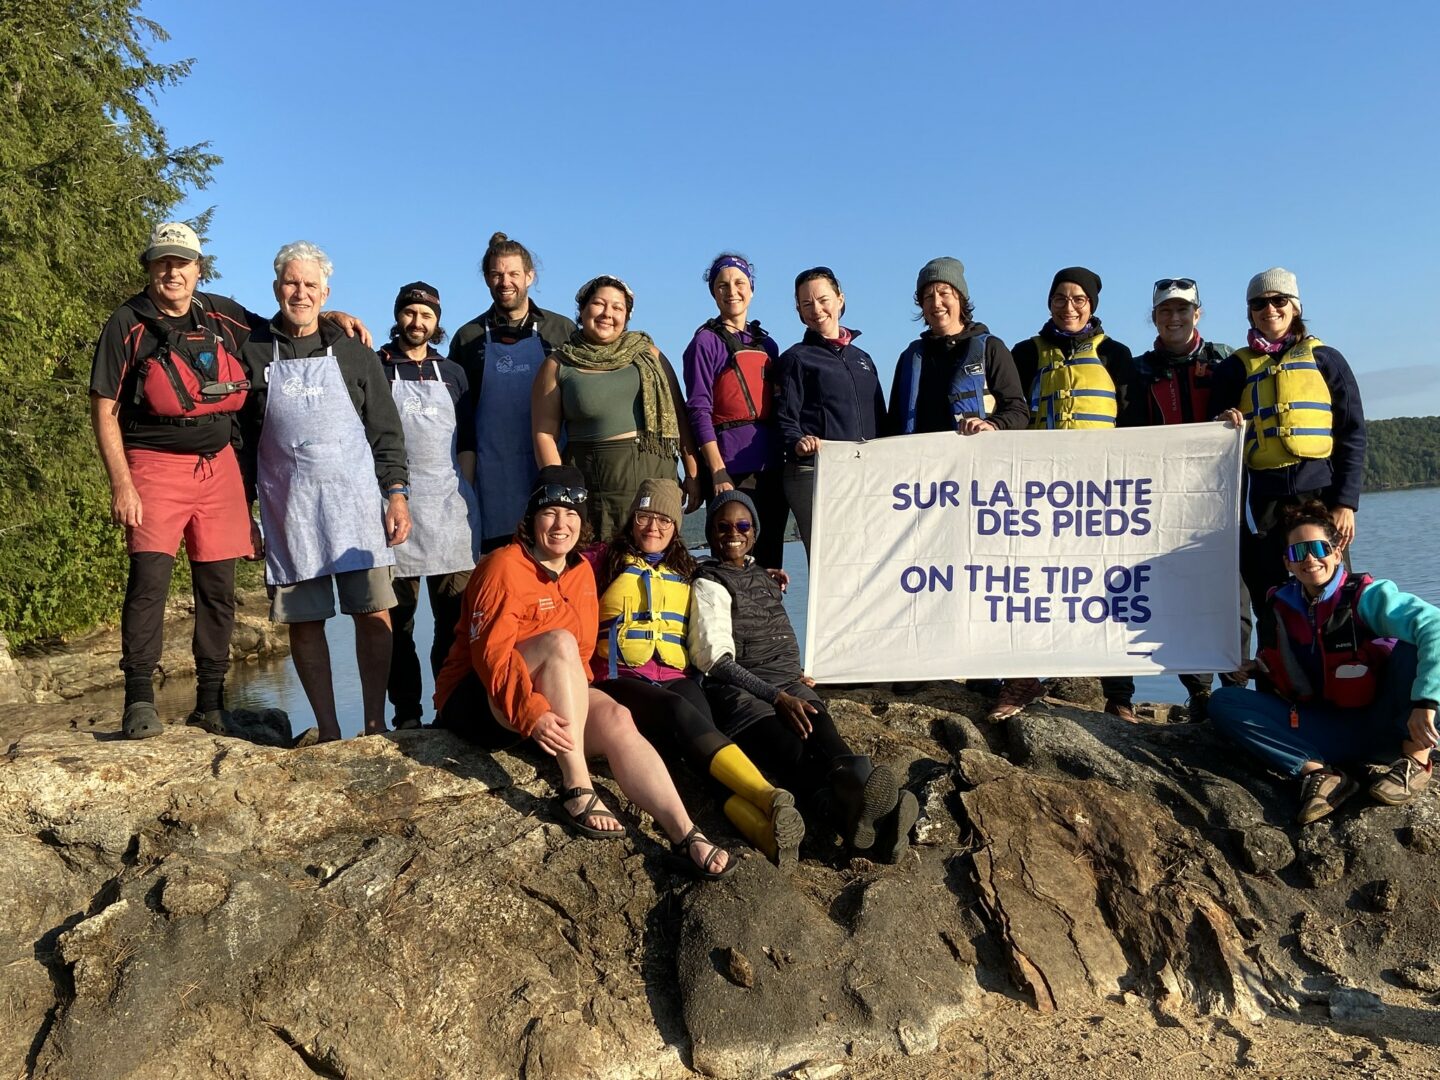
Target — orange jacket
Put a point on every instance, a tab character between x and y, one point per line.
511	598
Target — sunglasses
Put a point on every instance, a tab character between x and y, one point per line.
1321	549
1260	303
1175	283
741	527
552	494
813	273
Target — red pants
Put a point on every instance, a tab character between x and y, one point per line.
187	495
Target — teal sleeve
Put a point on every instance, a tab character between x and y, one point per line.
1392	613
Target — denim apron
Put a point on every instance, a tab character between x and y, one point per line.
320	505
444	533
504	450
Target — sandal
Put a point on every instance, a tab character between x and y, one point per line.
577	819
1015	695
681	860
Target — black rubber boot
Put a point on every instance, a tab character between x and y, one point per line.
864	793
215	721
892	832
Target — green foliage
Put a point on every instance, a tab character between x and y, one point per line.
1403	452
85	172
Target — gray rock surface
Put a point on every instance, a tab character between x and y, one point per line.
197	907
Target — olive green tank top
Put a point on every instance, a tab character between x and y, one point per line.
599	405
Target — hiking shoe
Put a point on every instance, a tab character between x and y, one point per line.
1198	707
1404	780
1015	694
1122	710
211	720
407	723
141	720
1321	792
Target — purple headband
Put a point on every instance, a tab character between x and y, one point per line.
729	260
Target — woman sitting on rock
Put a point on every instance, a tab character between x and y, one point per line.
742	640
642	655
518	669
1353	667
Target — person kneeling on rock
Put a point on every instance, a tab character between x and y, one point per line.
519	669
1353	667
742	640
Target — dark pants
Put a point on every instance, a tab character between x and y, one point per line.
1262	557
798	764
468	714
674	715
142	625
612	471
446	592
766	490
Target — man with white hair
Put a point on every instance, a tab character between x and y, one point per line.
326	458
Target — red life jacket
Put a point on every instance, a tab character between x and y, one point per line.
1183	395
741	394
1351	657
192	374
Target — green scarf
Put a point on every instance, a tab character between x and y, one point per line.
660	433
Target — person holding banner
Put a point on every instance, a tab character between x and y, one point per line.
615	398
956	376
1079	379
742	640
641	656
827	389
521	670
1318	454
1352	666
730	369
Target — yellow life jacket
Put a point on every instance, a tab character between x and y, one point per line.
643	614
1287	403
1072	392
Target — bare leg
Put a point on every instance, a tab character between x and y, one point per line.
640	773
311	653
373	643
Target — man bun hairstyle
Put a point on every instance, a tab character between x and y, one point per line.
500	246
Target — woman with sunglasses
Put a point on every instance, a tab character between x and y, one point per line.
730	367
642	654
615	398
521	670
1078	379
827	389
742	640
1350	673
1304	427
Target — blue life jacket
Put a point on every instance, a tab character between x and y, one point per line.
968	392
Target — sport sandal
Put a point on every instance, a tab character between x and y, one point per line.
681	860
592	808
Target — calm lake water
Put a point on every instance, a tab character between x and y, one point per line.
1396	538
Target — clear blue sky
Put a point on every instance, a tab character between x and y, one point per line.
1142	140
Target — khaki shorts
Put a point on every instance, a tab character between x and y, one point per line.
361	592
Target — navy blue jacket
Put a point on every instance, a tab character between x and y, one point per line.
1337	479
830	392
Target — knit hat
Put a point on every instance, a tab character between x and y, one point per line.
1277	280
557	485
1175	289
1088	280
172	238
733	495
418	292
659	497
950	271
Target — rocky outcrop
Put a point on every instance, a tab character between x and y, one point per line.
407	906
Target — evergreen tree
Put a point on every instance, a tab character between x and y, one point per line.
85	172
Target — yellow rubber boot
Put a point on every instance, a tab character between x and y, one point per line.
738	773
778	837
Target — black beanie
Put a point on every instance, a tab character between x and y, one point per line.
418	292
571	479
1088	280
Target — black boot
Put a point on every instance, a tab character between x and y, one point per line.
892	832
864	793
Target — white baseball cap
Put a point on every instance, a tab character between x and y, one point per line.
172	238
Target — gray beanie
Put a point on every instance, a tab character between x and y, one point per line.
733	495
950	271
1278	280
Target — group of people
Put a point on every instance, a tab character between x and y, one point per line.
372	470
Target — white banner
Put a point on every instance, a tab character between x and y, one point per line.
1026	553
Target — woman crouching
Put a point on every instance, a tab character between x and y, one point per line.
742	640
1353	666
519	669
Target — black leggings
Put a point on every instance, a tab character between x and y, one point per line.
142	625
801	765
674	715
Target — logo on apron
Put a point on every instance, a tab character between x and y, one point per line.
295	387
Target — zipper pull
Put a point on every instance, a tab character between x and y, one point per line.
1294	717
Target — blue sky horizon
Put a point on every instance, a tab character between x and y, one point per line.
1141	141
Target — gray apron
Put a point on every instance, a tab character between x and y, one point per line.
320	505
445	522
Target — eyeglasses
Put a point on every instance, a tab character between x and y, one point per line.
648	520
551	494
1060	300
1321	549
1259	303
741	527
1175	283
